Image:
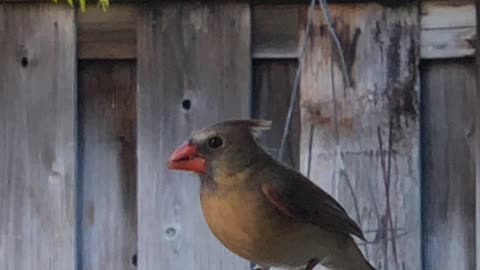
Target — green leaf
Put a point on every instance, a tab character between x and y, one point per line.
82	5
104	4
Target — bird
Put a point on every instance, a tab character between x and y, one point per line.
261	209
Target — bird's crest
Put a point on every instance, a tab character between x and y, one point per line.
256	126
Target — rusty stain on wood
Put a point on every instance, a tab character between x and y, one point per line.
377	119
91	213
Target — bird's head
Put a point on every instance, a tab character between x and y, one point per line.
224	146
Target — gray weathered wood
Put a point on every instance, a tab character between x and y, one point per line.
448	191
37	137
477	140
275	31
107	175
108	35
271	96
374	170
193	70
448	29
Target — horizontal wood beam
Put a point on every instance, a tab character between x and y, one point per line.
448	31
108	35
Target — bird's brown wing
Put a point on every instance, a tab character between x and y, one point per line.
303	200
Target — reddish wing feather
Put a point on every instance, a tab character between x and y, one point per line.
307	202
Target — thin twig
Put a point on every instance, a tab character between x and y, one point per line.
384	230
296	82
354	198
310	149
376	241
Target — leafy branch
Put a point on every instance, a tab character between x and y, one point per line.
83	4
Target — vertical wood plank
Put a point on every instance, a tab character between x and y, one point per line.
374	172
194	69
108	233
477	139
273	84
37	137
448	102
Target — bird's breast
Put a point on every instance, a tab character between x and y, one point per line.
247	225
235	218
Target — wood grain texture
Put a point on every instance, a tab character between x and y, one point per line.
107	174
108	35
275	31
37	137
477	140
448	102
373	170
448	29
194	69
273	84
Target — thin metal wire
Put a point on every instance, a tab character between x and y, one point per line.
296	82
339	165
328	20
294	94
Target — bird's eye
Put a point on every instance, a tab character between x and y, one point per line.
215	142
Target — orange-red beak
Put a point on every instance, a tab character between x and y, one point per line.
186	158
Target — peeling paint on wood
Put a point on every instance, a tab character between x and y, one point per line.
377	119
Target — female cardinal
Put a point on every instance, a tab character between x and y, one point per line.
263	210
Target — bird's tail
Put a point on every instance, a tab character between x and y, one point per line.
366	265
350	259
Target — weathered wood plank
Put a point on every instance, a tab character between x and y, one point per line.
37	137
194	69
275	31
373	170
448	43
448	29
272	88
477	141
108	35
448	191
448	14
107	175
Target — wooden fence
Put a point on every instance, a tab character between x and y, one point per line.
91	104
